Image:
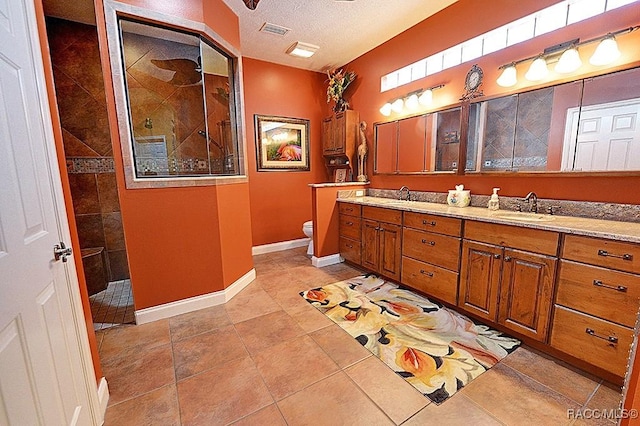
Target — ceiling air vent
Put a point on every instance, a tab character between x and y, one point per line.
274	29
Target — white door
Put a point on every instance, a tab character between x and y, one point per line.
46	375
608	137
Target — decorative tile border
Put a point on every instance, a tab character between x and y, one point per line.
588	209
90	165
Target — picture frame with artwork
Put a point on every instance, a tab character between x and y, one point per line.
340	175
282	143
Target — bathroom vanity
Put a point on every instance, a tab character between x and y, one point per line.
565	285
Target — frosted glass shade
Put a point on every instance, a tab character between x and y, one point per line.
426	98
397	105
569	61
606	52
386	109
538	70
412	102
508	77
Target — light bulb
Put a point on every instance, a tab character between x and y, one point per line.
397	105
606	52
537	70
426	97
569	61
412	103
508	77
386	109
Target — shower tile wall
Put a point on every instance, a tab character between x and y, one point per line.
83	114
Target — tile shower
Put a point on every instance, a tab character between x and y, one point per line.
83	114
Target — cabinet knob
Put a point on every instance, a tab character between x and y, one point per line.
496	256
507	258
350	223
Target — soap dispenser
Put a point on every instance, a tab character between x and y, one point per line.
494	203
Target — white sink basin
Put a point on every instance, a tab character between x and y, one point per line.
526	217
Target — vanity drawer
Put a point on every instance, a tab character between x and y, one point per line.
587	338
433	223
608	253
534	240
432	280
350	250
350	209
436	249
350	227
382	214
607	294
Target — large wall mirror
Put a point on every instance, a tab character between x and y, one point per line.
588	125
422	144
180	93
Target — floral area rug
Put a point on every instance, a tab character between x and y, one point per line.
434	348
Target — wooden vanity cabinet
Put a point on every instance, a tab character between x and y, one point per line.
431	254
507	276
381	241
597	301
350	224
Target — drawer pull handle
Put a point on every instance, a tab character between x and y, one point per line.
350	223
619	288
349	245
349	209
431	243
423	272
610	339
432	223
507	258
625	256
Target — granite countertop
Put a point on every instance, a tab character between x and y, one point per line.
622	231
332	184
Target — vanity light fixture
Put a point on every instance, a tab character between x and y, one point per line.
302	50
410	102
566	56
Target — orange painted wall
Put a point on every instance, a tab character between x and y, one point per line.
462	21
173	235
281	200
66	188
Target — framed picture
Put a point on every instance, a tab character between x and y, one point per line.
340	175
281	143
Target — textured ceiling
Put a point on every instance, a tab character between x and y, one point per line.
344	30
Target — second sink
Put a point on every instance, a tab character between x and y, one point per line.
526	217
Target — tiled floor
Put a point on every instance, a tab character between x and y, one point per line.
112	306
269	358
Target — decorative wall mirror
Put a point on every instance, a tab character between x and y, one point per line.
420	144
181	103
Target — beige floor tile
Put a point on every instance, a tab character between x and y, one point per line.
456	411
511	397
309	318
333	401
242	308
196	322
268	330
158	407
128	339
553	373
343	349
138	373
606	397
293	365
397	398
207	350
268	416
223	394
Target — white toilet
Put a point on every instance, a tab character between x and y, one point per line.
307	228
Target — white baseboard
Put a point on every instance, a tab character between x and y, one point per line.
191	304
321	262
103	396
283	245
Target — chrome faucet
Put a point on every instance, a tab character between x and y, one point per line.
404	188
532	200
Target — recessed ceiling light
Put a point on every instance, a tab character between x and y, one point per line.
302	50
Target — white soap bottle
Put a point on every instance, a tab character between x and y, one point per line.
494	203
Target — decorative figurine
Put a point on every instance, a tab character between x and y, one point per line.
362	153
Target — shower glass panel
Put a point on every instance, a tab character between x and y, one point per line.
180	98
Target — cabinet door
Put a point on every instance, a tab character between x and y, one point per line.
370	245
339	133
480	278
327	136
390	253
526	292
